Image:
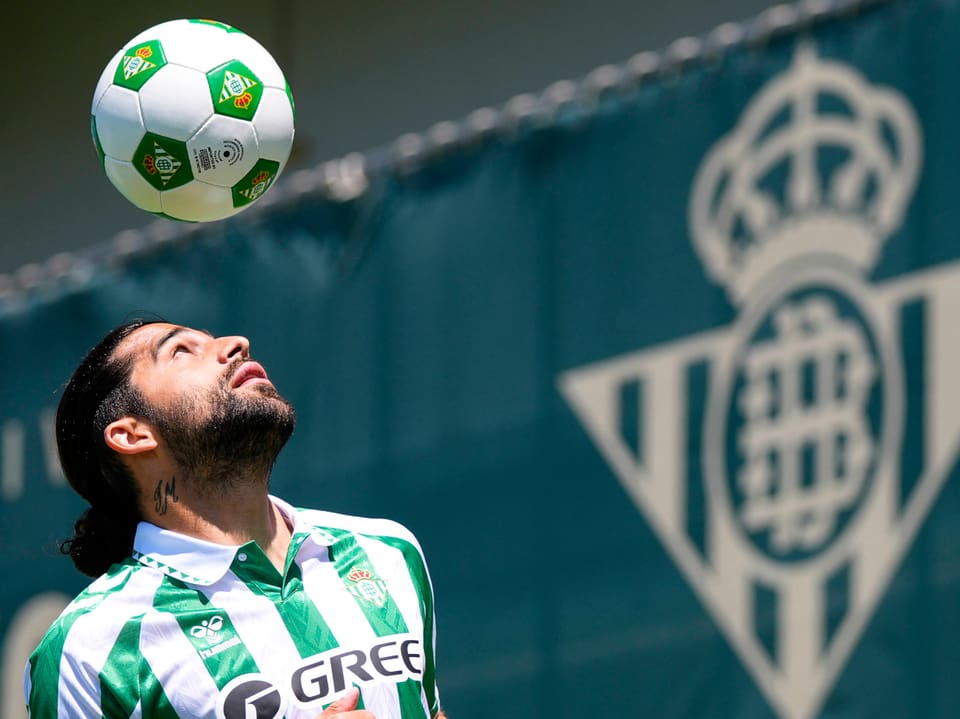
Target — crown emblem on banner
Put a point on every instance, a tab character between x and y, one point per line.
821	164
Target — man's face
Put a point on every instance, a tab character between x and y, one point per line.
173	363
213	406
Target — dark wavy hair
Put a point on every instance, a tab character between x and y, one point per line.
98	393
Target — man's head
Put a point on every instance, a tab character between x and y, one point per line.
150	388
206	403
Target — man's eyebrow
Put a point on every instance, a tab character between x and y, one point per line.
170	335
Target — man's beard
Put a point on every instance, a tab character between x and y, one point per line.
237	442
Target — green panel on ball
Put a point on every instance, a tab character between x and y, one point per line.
293	107
235	90
96	139
215	23
255	182
163	162
138	64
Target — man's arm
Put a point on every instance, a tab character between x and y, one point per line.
50	693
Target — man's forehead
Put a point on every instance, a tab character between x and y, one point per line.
143	341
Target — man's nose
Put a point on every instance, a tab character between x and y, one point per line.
229	348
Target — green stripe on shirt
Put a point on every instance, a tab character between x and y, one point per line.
385	619
201	622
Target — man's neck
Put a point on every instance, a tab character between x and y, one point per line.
231	515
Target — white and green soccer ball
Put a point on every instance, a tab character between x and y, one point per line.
193	120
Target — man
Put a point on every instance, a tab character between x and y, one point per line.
215	599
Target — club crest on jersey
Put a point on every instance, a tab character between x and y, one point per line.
773	457
365	585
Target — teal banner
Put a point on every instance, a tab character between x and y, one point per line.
661	367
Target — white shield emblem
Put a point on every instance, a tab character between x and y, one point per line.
800	454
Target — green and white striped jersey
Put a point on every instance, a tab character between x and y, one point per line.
190	629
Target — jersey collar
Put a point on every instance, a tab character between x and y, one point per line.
199	562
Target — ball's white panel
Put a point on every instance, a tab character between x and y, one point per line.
125	178
274	125
223	151
119	123
159	32
199	202
106	79
244	48
176	102
198	46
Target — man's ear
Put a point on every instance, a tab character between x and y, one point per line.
129	435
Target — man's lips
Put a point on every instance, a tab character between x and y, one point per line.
248	372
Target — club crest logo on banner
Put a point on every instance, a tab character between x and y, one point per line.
787	461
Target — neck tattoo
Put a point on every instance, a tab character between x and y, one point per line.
165	491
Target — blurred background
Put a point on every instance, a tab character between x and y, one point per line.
659	364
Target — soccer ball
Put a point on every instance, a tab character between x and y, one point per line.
192	120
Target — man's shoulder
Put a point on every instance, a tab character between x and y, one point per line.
111	599
367	526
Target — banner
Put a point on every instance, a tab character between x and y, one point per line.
660	366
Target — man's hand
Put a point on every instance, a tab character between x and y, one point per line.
346	708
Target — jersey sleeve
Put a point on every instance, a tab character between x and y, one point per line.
417	566
55	686
79	678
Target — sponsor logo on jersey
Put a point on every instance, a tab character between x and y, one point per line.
250	696
209	629
322	678
213	637
780	459
365	585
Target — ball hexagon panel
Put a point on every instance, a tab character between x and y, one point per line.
274	125
235	90
223	150
139	63
257	58
163	162
119	122
125	178
106	80
255	183
198	202
176	102
196	45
